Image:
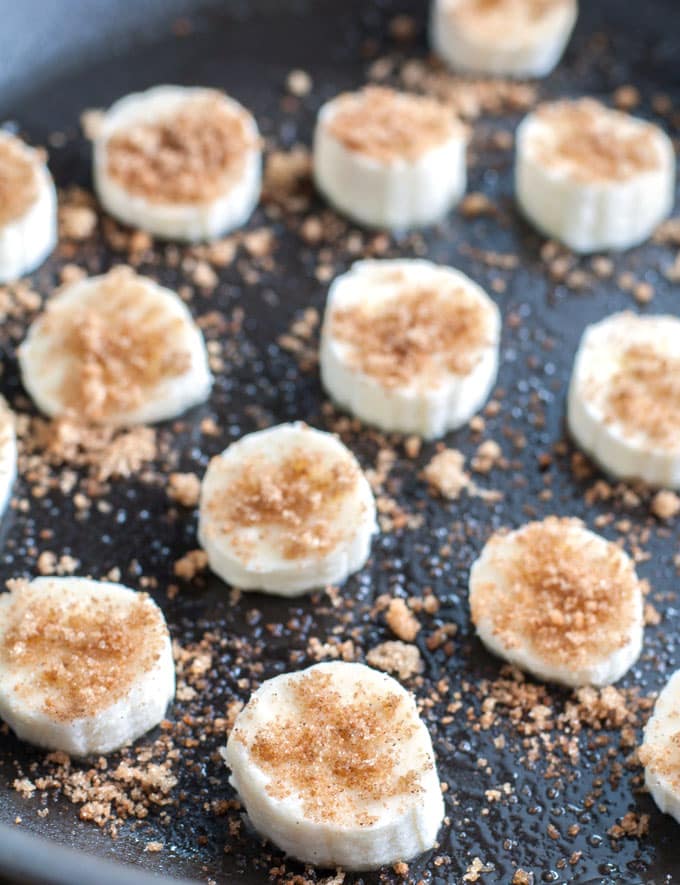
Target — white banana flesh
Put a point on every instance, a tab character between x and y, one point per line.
85	666
169	182
335	766
624	397
593	178
560	602
389	160
513	38
660	751
409	346
8	455
28	210
116	349
286	510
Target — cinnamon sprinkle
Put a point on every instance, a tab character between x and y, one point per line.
192	156
299	493
593	142
417	335
339	754
491	19
83	657
120	346
387	125
572	596
662	757
644	395
18	179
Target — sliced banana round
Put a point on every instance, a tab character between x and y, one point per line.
286	510
660	750
335	766
116	349
85	666
592	177
558	601
389	159
28	209
181	163
515	38
409	346
624	397
8	455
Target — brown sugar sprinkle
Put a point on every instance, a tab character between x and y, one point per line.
644	395
401	620
108	453
18	180
466	97
446	473
572	602
397	657
339	753
418	335
119	349
594	142
109	794
388	125
85	657
191	156
300	494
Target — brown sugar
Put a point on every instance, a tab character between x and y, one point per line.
397	657
118	348
300	494
192	156
185	488
387	125
447	475
665	504
338	753
401	620
572	597
644	395
18	180
594	142
419	335
84	657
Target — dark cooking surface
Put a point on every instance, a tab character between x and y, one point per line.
248	50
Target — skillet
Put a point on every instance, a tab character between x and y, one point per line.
57	59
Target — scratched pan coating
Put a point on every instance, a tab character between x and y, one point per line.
55	66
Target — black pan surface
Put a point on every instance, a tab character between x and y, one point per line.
56	60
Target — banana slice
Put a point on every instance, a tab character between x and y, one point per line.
335	766
28	209
8	455
85	666
409	346
514	38
116	349
624	397
592	177
660	751
181	163
388	159
558	601
286	510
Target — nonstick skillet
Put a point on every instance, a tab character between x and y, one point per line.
58	58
